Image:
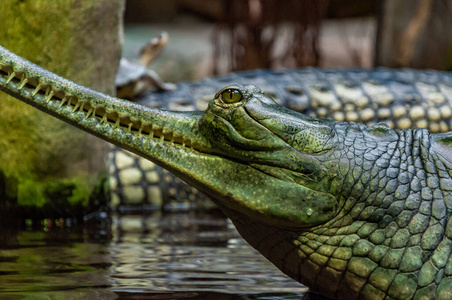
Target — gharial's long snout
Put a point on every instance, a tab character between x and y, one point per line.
115	120
229	151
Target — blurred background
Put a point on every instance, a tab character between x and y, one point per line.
218	36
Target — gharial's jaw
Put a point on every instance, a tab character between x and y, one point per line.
92	111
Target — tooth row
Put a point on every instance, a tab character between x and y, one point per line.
38	90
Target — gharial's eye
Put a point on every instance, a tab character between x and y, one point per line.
231	96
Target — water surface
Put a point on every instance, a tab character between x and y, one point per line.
156	256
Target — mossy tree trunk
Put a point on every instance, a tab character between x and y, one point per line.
48	168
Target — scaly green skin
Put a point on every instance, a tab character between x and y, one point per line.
353	212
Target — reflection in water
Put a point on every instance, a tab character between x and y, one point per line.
163	256
54	262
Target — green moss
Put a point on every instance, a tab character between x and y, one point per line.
76	190
67	191
447	140
379	130
30	193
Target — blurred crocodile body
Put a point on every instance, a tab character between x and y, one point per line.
401	98
351	211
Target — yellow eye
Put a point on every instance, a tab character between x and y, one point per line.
231	96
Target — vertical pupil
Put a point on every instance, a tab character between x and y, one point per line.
231	95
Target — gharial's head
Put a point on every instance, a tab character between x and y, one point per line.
282	167
277	166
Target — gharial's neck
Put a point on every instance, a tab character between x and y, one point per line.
387	176
379	166
398	210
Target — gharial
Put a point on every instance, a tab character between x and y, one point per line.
353	212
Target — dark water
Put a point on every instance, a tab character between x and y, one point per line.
170	256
